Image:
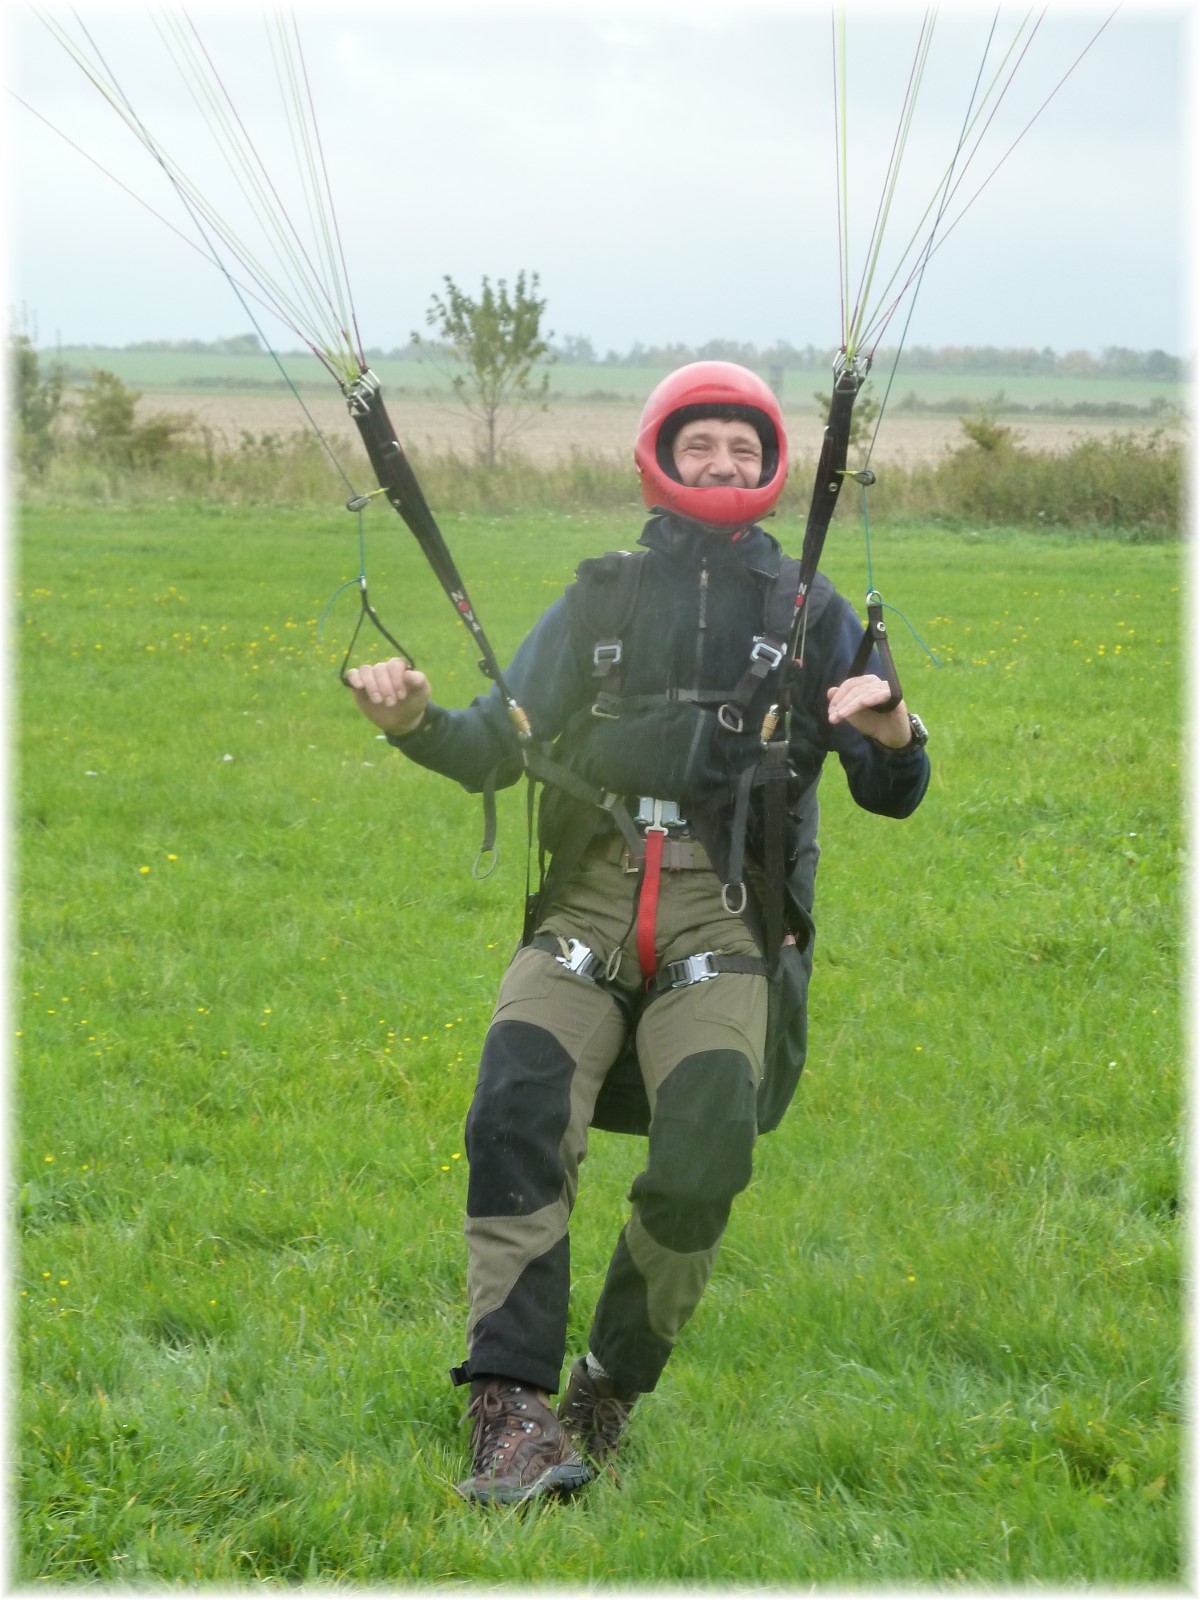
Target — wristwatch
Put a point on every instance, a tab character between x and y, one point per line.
920	733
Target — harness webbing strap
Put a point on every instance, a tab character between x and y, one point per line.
735	879
612	705
647	912
770	648
831	469
545	770
773	771
570	850
677	974
399	483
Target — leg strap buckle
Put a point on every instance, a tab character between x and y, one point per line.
581	959
692	969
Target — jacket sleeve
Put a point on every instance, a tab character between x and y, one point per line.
890	783
474	742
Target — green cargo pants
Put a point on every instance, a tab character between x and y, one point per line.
553	1037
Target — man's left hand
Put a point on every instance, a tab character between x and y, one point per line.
857	702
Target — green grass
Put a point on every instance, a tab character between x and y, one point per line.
944	1340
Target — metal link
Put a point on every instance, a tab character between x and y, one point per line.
733	898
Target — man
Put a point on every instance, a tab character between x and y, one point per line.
657	679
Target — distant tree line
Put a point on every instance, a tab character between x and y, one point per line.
1113	361
237	344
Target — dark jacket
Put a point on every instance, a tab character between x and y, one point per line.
699	608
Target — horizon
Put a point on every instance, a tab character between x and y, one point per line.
223	344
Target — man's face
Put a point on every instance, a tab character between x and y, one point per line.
711	454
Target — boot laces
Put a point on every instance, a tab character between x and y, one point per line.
608	1420
497	1430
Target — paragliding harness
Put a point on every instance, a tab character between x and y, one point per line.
570	813
604	598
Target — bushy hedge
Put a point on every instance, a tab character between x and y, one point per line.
1130	484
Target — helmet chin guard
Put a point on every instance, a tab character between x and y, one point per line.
701	389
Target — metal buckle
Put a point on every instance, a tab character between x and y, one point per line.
360	393
730	719
692	969
658	815
580	959
763	650
607	655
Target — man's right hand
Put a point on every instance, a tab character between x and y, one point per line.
390	694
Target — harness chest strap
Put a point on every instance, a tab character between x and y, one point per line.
770	648
678	855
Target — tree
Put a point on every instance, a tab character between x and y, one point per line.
498	339
986	434
106	418
108	430
39	405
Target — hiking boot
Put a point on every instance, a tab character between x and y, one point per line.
593	1414
518	1448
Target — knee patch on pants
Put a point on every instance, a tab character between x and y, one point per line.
516	1123
700	1152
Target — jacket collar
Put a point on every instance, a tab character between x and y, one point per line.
752	548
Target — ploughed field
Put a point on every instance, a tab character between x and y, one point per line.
606	429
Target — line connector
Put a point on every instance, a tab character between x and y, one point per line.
360	502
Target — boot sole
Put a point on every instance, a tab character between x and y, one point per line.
565	1479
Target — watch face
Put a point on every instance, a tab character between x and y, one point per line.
920	731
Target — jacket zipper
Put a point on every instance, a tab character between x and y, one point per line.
703	621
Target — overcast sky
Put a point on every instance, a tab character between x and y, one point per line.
667	170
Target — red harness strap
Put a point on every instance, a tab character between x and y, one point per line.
648	903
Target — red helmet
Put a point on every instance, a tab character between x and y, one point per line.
706	389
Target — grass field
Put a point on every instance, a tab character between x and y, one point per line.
181	374
944	1341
